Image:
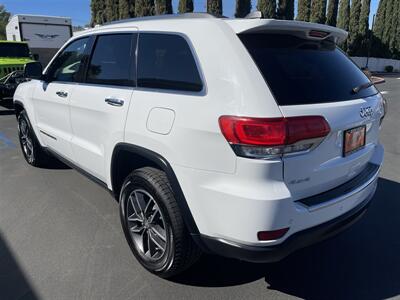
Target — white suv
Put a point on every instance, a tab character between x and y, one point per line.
247	138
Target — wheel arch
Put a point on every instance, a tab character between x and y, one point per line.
128	157
18	107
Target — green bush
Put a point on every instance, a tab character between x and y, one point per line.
389	69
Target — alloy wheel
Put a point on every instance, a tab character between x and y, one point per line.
146	225
26	140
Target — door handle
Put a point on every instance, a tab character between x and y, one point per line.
114	101
62	94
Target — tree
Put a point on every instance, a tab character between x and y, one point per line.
98	12
331	17
185	6
364	36
162	7
397	36
379	48
243	8
4	16
214	7
304	10
94	11
386	31
364	18
344	15
354	35
112	12
126	9
267	8
389	15
144	8
318	11
394	30
380	19
344	19
285	9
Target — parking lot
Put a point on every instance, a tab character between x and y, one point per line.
60	238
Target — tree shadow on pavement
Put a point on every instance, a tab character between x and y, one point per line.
13	282
361	263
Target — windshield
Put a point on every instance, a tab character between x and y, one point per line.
14	50
300	71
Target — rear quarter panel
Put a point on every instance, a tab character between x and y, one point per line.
232	86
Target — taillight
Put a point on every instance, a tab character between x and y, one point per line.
262	137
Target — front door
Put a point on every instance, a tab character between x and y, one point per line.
52	97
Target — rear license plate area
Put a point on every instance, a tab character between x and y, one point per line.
354	140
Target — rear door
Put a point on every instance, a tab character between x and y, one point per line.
99	105
315	78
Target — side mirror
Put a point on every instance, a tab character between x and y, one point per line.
33	70
36	57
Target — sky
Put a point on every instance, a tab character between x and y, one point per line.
79	10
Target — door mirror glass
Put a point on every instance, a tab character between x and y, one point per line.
33	70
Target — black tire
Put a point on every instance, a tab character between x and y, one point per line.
180	249
33	152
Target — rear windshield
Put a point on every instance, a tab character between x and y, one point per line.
300	71
14	50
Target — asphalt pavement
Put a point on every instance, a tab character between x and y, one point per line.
60	238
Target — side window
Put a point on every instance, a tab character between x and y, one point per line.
165	61
112	61
66	65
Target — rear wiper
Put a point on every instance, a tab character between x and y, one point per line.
364	86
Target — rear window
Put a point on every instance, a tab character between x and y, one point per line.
300	71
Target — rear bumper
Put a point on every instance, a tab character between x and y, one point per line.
295	242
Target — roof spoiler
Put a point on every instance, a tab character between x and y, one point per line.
305	30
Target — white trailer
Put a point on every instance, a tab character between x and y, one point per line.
44	34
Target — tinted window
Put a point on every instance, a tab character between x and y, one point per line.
166	62
300	71
14	50
111	61
67	64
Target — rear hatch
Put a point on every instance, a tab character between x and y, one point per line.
312	77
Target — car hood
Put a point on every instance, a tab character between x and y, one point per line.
5	61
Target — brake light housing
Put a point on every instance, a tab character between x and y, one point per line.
266	137
318	34
272	235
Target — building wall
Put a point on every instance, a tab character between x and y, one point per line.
377	64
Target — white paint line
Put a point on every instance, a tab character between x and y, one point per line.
384	92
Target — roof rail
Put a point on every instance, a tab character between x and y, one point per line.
165	17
